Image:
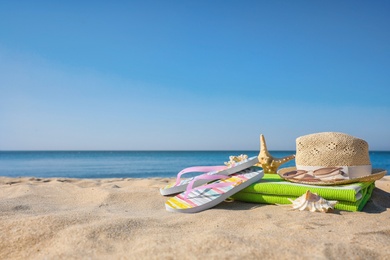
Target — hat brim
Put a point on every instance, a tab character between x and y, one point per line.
376	174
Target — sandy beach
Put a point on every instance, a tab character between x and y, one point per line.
126	219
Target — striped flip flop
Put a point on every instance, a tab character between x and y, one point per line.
207	196
181	184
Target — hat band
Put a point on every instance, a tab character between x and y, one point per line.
352	172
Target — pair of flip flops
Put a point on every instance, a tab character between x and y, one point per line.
211	188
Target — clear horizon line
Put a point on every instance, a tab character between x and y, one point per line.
135	150
155	150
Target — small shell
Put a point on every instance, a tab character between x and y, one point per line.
312	202
235	159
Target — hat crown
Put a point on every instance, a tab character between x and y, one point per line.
331	149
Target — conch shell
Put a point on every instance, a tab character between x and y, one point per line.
312	202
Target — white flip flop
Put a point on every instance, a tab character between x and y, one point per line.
207	196
181	184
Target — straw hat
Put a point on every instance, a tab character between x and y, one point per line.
331	158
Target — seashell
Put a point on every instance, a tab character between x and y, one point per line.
235	159
312	202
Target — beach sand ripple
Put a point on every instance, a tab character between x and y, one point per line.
126	219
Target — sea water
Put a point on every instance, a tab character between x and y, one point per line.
127	164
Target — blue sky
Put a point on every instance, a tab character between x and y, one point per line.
184	75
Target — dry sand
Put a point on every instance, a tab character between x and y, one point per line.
126	219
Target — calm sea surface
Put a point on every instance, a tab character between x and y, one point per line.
127	164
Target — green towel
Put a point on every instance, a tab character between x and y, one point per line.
272	189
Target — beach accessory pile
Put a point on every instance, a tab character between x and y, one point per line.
327	158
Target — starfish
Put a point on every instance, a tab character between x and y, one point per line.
267	161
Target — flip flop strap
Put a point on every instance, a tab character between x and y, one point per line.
207	177
199	169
